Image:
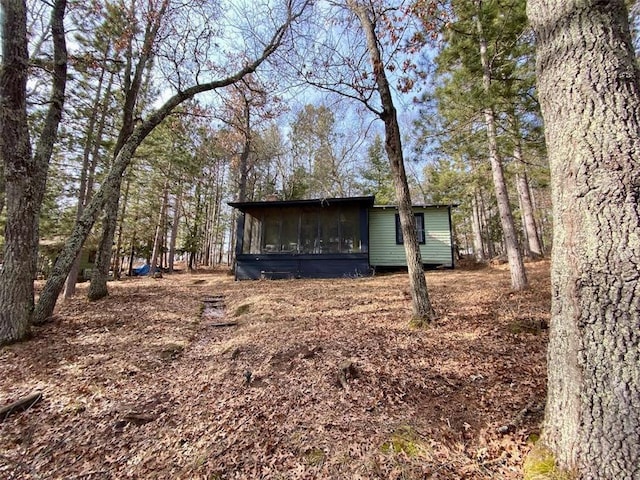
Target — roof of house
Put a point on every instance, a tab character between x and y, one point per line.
321	202
418	205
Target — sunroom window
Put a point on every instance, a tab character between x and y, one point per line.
303	230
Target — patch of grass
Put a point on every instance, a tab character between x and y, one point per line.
526	326
540	464
417	322
405	440
314	457
171	351
242	309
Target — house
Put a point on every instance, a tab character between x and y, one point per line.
332	237
50	248
435	236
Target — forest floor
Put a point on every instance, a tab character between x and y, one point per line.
318	379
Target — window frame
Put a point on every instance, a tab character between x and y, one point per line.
420	227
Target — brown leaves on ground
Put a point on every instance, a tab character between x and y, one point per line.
319	379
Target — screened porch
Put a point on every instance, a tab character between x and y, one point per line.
304	238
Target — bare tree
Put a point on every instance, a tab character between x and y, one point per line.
423	313
291	12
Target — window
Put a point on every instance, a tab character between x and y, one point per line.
419	226
350	239
304	230
272	229
309	241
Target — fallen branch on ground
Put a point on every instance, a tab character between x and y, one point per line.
20	405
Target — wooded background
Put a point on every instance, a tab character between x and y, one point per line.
274	136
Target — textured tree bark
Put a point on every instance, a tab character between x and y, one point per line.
516	265
98	287
3	188
423	312
19	263
25	174
589	90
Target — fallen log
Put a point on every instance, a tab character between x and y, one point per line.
20	405
223	324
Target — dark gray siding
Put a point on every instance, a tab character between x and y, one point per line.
251	267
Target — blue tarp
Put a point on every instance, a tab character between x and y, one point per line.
143	270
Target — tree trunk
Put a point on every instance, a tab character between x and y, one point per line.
174	229
133	84
218	229
516	265
476	227
207	224
3	188
244	165
89	141
485	226
25	174
423	312
528	217
117	265
98	287
157	239
589	90
132	252
526	204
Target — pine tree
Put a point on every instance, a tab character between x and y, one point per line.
376	174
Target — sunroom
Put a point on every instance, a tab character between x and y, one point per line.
323	238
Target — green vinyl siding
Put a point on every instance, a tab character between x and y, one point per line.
385	252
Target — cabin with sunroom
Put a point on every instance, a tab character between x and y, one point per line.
333	237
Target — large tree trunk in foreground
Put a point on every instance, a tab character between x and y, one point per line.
423	313
19	262
25	174
589	89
